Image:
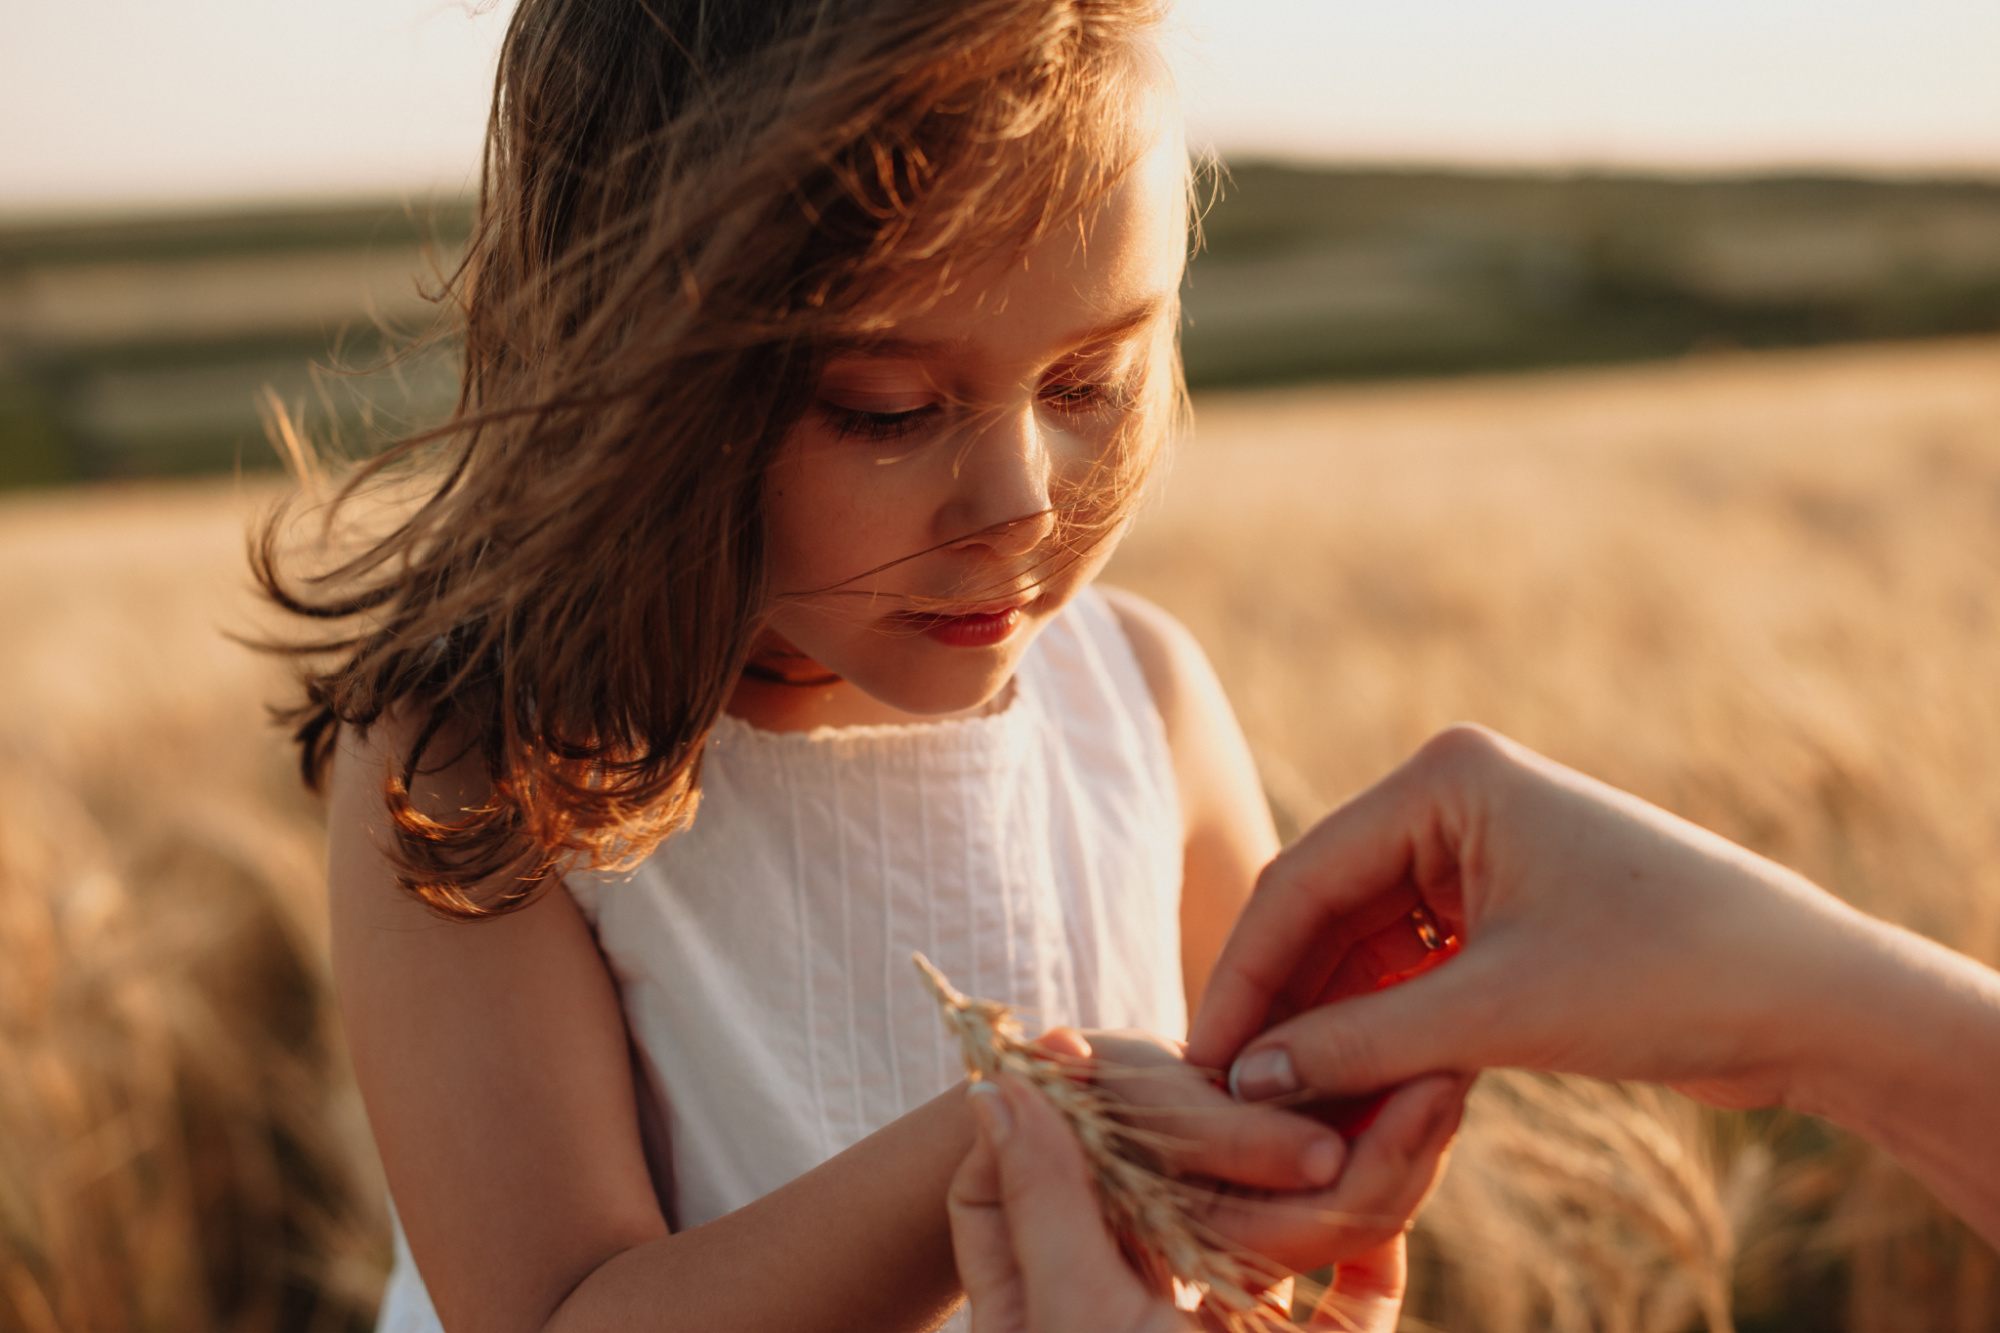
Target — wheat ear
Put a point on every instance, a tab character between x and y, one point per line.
1157	1214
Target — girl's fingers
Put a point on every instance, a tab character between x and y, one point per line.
1032	1247
1366	1294
1059	1240
1063	1043
1392	1166
1261	1147
1051	1261
1200	1128
1396	1162
982	1245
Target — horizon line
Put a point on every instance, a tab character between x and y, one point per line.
93	207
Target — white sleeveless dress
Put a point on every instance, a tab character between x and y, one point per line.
763	956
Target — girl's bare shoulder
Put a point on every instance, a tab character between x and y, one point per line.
450	779
1217	776
491	1054
1176	669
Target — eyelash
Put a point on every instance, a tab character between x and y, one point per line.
852	424
1075	397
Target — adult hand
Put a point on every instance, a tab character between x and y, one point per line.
1035	1256
1290	1189
1600	935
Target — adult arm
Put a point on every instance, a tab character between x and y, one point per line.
1604	936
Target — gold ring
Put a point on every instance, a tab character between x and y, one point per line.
1426	927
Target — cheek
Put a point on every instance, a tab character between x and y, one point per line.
829	519
1090	563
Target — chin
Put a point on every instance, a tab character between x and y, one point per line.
941	692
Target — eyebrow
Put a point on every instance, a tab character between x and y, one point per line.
918	349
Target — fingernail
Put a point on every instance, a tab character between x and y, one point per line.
1322	1160
991	1109
1262	1075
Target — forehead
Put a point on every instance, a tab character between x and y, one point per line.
1122	257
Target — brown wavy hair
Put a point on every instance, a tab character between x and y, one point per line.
682	204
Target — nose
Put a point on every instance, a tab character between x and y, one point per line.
1000	489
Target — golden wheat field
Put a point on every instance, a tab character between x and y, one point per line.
1759	590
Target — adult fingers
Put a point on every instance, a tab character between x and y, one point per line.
1354	953
1454	1017
1362	852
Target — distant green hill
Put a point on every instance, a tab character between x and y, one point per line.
1350	274
138	346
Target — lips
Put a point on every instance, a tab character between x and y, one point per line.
975	631
977	627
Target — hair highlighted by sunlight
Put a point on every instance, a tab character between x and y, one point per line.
682	204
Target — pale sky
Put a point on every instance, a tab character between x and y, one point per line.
139	102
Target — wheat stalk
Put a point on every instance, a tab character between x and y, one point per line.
1158	1214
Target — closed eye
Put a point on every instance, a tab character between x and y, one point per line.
854	423
1069	394
1081	396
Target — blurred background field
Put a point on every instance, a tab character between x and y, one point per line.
1648	412
1755	588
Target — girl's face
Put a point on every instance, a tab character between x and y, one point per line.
924	473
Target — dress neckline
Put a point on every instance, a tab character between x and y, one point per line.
981	733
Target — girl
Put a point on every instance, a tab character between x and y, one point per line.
815	351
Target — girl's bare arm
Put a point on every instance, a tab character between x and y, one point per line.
858	1242
1382	1177
1229	833
495	1066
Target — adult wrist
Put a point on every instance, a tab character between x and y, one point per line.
1884	1034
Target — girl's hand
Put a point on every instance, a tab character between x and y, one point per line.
1032	1248
1287	1187
1035	1256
